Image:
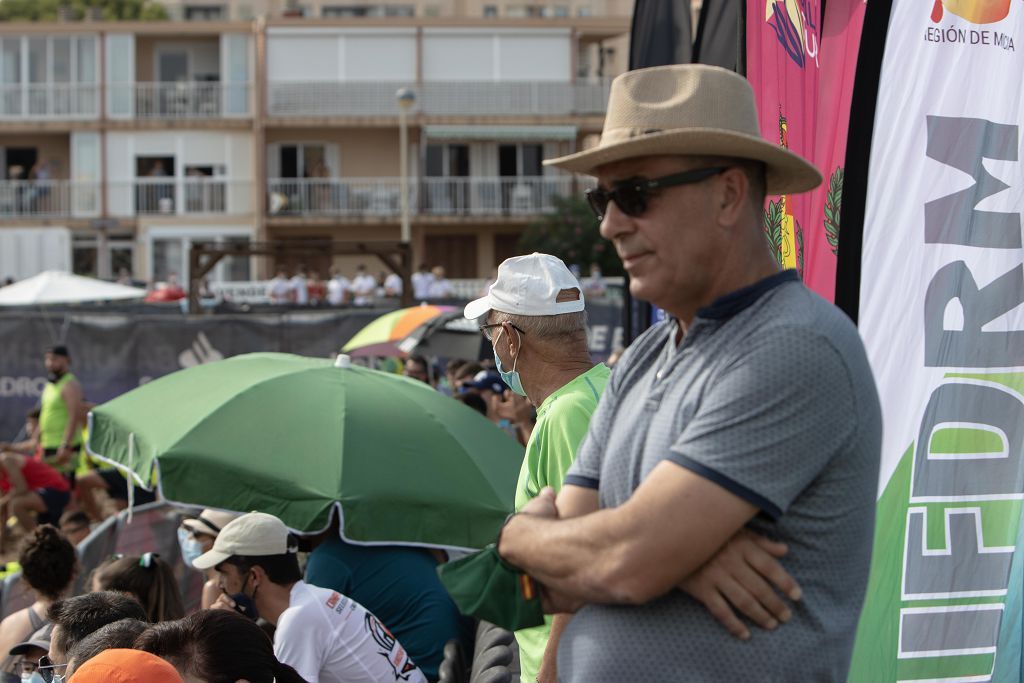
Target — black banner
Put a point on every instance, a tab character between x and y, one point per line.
115	352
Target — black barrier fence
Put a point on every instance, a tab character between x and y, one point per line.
114	351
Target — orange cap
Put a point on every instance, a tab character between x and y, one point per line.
126	666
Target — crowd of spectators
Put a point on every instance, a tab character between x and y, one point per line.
305	287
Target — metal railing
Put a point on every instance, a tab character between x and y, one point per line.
335	196
511	98
471	196
48	198
182	100
167	195
49	101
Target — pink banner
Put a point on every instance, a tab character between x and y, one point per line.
803	81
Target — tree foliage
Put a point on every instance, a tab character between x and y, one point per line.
111	10
571	233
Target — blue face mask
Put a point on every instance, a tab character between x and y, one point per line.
190	547
511	378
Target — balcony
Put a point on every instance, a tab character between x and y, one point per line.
49	101
523	196
169	196
182	100
48	199
466	98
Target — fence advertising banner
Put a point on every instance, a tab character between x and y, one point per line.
116	352
941	310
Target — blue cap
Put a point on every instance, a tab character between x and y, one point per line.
486	380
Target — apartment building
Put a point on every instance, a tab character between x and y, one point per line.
135	140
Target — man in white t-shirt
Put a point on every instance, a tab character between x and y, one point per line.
300	294
337	288
279	288
421	280
440	288
322	634
393	285
363	287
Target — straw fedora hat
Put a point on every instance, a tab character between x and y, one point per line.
689	109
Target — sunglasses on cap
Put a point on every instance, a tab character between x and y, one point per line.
631	195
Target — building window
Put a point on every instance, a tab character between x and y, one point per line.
345	11
583	11
170	253
490	10
524	11
431	11
85	255
204	13
560	11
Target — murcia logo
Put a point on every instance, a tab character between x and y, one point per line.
974	11
396	655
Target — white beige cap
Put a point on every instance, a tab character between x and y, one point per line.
209	522
538	284
256	534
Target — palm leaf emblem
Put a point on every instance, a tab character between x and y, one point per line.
833	206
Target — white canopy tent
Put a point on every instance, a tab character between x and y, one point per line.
57	287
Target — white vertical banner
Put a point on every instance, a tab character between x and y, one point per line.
942	315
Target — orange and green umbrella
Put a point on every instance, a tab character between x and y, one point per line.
382	335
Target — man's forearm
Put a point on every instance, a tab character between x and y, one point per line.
578	557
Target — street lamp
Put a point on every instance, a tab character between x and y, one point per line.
406	98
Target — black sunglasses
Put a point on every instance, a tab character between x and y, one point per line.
486	329
631	195
46	668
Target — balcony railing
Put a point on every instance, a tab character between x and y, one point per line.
48	199
49	101
184	100
428	196
515	98
170	196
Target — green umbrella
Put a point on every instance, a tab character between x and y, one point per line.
296	437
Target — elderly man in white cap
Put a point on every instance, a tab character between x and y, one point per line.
533	315
195	537
322	634
751	407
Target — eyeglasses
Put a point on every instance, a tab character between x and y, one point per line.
486	329
46	670
631	195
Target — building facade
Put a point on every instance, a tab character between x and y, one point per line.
127	142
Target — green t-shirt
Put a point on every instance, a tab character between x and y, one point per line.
562	422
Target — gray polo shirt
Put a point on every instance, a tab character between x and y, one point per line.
770	396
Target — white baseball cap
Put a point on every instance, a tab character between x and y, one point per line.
538	284
256	534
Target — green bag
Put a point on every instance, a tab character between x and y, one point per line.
485	586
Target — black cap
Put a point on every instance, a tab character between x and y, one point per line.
59	350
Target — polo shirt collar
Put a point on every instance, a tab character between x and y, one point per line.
727	306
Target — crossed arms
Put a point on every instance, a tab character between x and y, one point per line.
672	533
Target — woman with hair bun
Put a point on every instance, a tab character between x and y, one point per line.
148	578
217	646
48	566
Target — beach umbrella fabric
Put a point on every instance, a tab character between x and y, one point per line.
299	437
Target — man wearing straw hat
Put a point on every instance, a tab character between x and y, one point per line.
752	406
